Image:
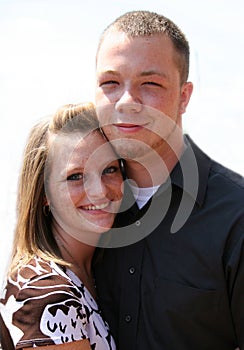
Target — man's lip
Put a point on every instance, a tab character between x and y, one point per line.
128	127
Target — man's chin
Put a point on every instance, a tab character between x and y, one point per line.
130	152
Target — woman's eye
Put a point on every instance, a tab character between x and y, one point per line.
110	170
75	177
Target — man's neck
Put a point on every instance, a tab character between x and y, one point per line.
154	168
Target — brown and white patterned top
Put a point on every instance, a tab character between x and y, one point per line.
45	304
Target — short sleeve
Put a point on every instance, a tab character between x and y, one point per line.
46	310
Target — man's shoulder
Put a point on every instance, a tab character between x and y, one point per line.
216	181
226	177
216	171
225	190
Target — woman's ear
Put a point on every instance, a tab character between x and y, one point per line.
45	201
46	207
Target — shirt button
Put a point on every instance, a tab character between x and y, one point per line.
138	223
127	318
132	270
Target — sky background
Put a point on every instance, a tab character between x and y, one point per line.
47	50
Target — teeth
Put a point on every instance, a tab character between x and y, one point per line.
96	207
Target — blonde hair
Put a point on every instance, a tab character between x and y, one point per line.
33	232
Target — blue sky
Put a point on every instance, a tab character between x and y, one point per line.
47	60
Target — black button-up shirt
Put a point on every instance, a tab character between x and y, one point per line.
179	285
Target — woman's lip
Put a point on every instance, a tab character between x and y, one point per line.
95	207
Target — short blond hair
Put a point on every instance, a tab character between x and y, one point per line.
146	23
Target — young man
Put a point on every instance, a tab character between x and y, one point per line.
174	278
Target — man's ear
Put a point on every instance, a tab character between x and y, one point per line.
186	91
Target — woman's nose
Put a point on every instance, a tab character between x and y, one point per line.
95	188
128	102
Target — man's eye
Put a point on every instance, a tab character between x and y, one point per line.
75	177
152	83
109	82
110	170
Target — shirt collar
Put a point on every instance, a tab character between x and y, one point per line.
192	171
190	174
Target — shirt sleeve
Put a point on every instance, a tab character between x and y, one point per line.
49	311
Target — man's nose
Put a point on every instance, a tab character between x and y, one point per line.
128	102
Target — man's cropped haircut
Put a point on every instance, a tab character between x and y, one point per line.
146	23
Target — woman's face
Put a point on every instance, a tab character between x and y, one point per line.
84	185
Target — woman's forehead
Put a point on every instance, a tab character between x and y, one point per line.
77	148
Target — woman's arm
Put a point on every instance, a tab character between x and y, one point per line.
76	345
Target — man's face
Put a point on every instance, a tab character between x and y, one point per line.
139	96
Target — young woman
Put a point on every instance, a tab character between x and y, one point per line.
70	189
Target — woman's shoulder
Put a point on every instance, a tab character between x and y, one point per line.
37	269
37	278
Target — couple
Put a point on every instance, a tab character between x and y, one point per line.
174	277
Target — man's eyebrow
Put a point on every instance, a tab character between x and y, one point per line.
141	74
153	72
109	71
